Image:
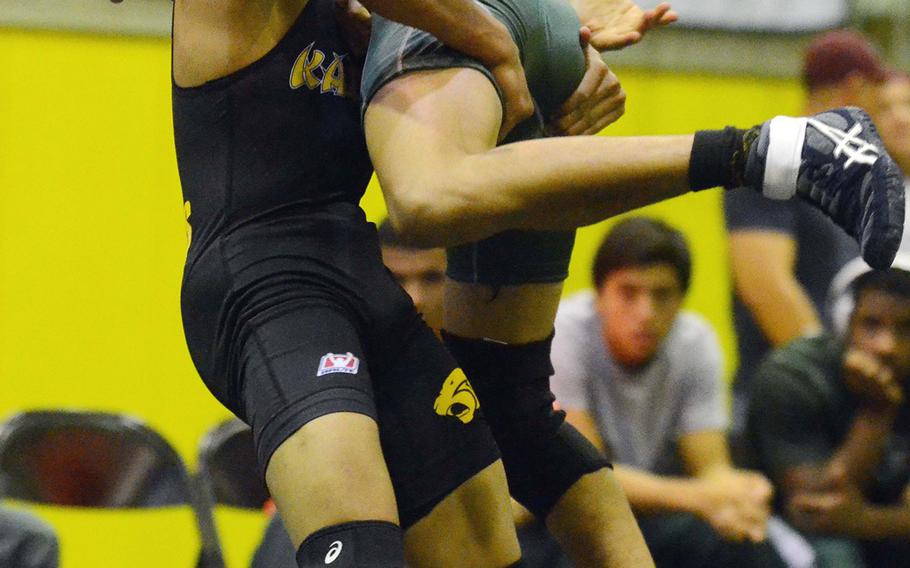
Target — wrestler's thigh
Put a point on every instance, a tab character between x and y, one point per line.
331	471
449	483
308	395
471	528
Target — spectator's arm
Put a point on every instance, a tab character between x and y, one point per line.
763	272
887	522
786	421
862	449
702	452
650	493
840	508
879	394
703	417
735	506
738	501
646	492
818	477
703	420
827	497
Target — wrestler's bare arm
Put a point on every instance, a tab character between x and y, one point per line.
446	183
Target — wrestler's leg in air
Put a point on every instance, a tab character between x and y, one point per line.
454	187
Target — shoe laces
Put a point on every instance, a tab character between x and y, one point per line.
848	143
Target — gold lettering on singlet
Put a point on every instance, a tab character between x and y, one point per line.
187	211
308	71
333	80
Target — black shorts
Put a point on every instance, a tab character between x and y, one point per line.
291	320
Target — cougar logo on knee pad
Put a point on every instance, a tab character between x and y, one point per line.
457	398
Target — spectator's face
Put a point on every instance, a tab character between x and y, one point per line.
638	306
893	119
421	273
880	326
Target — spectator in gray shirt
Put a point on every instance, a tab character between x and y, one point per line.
642	379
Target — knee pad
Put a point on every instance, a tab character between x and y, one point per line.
541	464
358	544
542	454
513	258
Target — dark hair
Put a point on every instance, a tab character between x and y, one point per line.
389	238
835	55
895	282
640	241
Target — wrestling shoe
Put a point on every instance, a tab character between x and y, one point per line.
836	161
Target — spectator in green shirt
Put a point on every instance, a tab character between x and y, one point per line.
831	427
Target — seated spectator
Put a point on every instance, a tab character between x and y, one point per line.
26	541
642	379
831	427
783	254
892	117
421	272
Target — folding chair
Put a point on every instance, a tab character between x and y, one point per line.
228	471
98	460
228	479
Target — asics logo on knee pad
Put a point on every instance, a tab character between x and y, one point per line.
848	143
334	552
457	398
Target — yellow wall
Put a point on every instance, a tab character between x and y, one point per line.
92	235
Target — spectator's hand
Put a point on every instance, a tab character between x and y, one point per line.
872	380
736	503
805	478
598	101
616	24
838	508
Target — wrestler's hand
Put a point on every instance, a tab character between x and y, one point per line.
510	76
616	24
598	101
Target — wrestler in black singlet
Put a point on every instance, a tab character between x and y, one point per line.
288	310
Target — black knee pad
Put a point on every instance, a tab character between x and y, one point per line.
358	544
513	258
543	455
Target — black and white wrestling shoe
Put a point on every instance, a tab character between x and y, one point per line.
836	161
